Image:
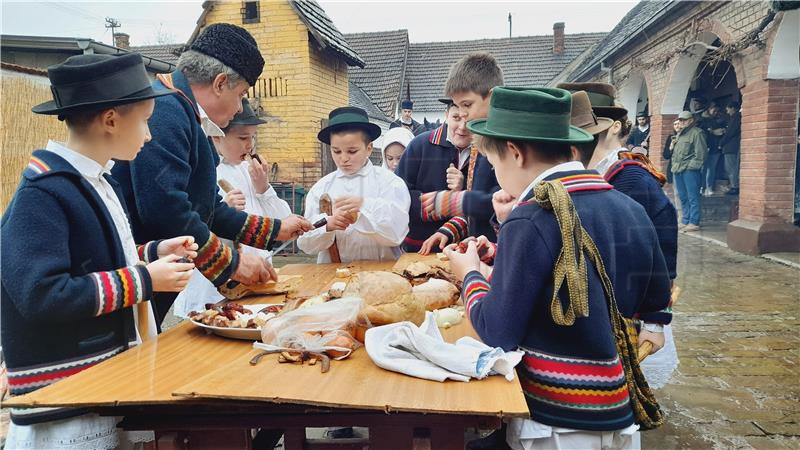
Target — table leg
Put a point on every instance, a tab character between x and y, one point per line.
391	438
294	438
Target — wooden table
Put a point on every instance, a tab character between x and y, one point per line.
188	380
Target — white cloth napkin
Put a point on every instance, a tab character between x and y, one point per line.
421	352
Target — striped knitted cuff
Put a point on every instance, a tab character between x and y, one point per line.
121	288
441	205
214	260
259	232
455	229
148	252
475	288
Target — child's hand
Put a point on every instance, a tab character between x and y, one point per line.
340	220
503	203
657	339
348	204
259	176
235	199
293	226
183	246
168	275
438	240
455	179
463	263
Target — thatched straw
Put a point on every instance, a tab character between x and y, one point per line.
22	131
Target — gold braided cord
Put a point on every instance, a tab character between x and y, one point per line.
571	264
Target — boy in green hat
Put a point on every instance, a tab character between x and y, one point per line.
369	218
543	298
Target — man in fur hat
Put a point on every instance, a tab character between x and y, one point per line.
171	186
406	121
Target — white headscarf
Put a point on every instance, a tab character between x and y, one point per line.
399	135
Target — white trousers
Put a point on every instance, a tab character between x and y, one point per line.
530	435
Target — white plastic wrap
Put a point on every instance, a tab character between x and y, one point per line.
330	326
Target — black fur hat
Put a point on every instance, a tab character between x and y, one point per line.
234	46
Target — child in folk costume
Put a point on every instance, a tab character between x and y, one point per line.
394	143
634	176
369	205
248	189
573	256
451	183
75	287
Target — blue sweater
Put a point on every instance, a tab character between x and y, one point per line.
633	180
571	375
173	185
66	290
424	166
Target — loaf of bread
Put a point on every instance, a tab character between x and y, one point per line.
388	298
436	294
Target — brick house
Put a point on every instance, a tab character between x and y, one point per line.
664	52
397	69
305	76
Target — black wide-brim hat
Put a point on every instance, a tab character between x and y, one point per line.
530	114
247	116
97	81
348	117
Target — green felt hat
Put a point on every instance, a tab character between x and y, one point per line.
530	114
346	118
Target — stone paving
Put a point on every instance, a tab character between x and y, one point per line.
736	332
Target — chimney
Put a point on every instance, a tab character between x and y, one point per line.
558	38
122	40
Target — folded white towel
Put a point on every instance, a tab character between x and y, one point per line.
422	352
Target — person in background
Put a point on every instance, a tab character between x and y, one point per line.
730	143
640	136
251	193
688	156
370	204
394	143
669	145
714	127
406	120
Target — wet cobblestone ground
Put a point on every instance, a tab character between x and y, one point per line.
736	330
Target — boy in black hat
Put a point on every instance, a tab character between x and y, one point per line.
369	216
244	184
406	121
75	287
564	271
173	181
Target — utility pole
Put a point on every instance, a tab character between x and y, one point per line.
509	24
113	24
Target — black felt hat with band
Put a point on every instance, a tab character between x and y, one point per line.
348	117
97	81
247	116
530	114
603	97
234	46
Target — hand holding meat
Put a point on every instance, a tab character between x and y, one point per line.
253	270
235	199
463	263
293	226
259	176
351	204
169	275
183	246
503	203
455	179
